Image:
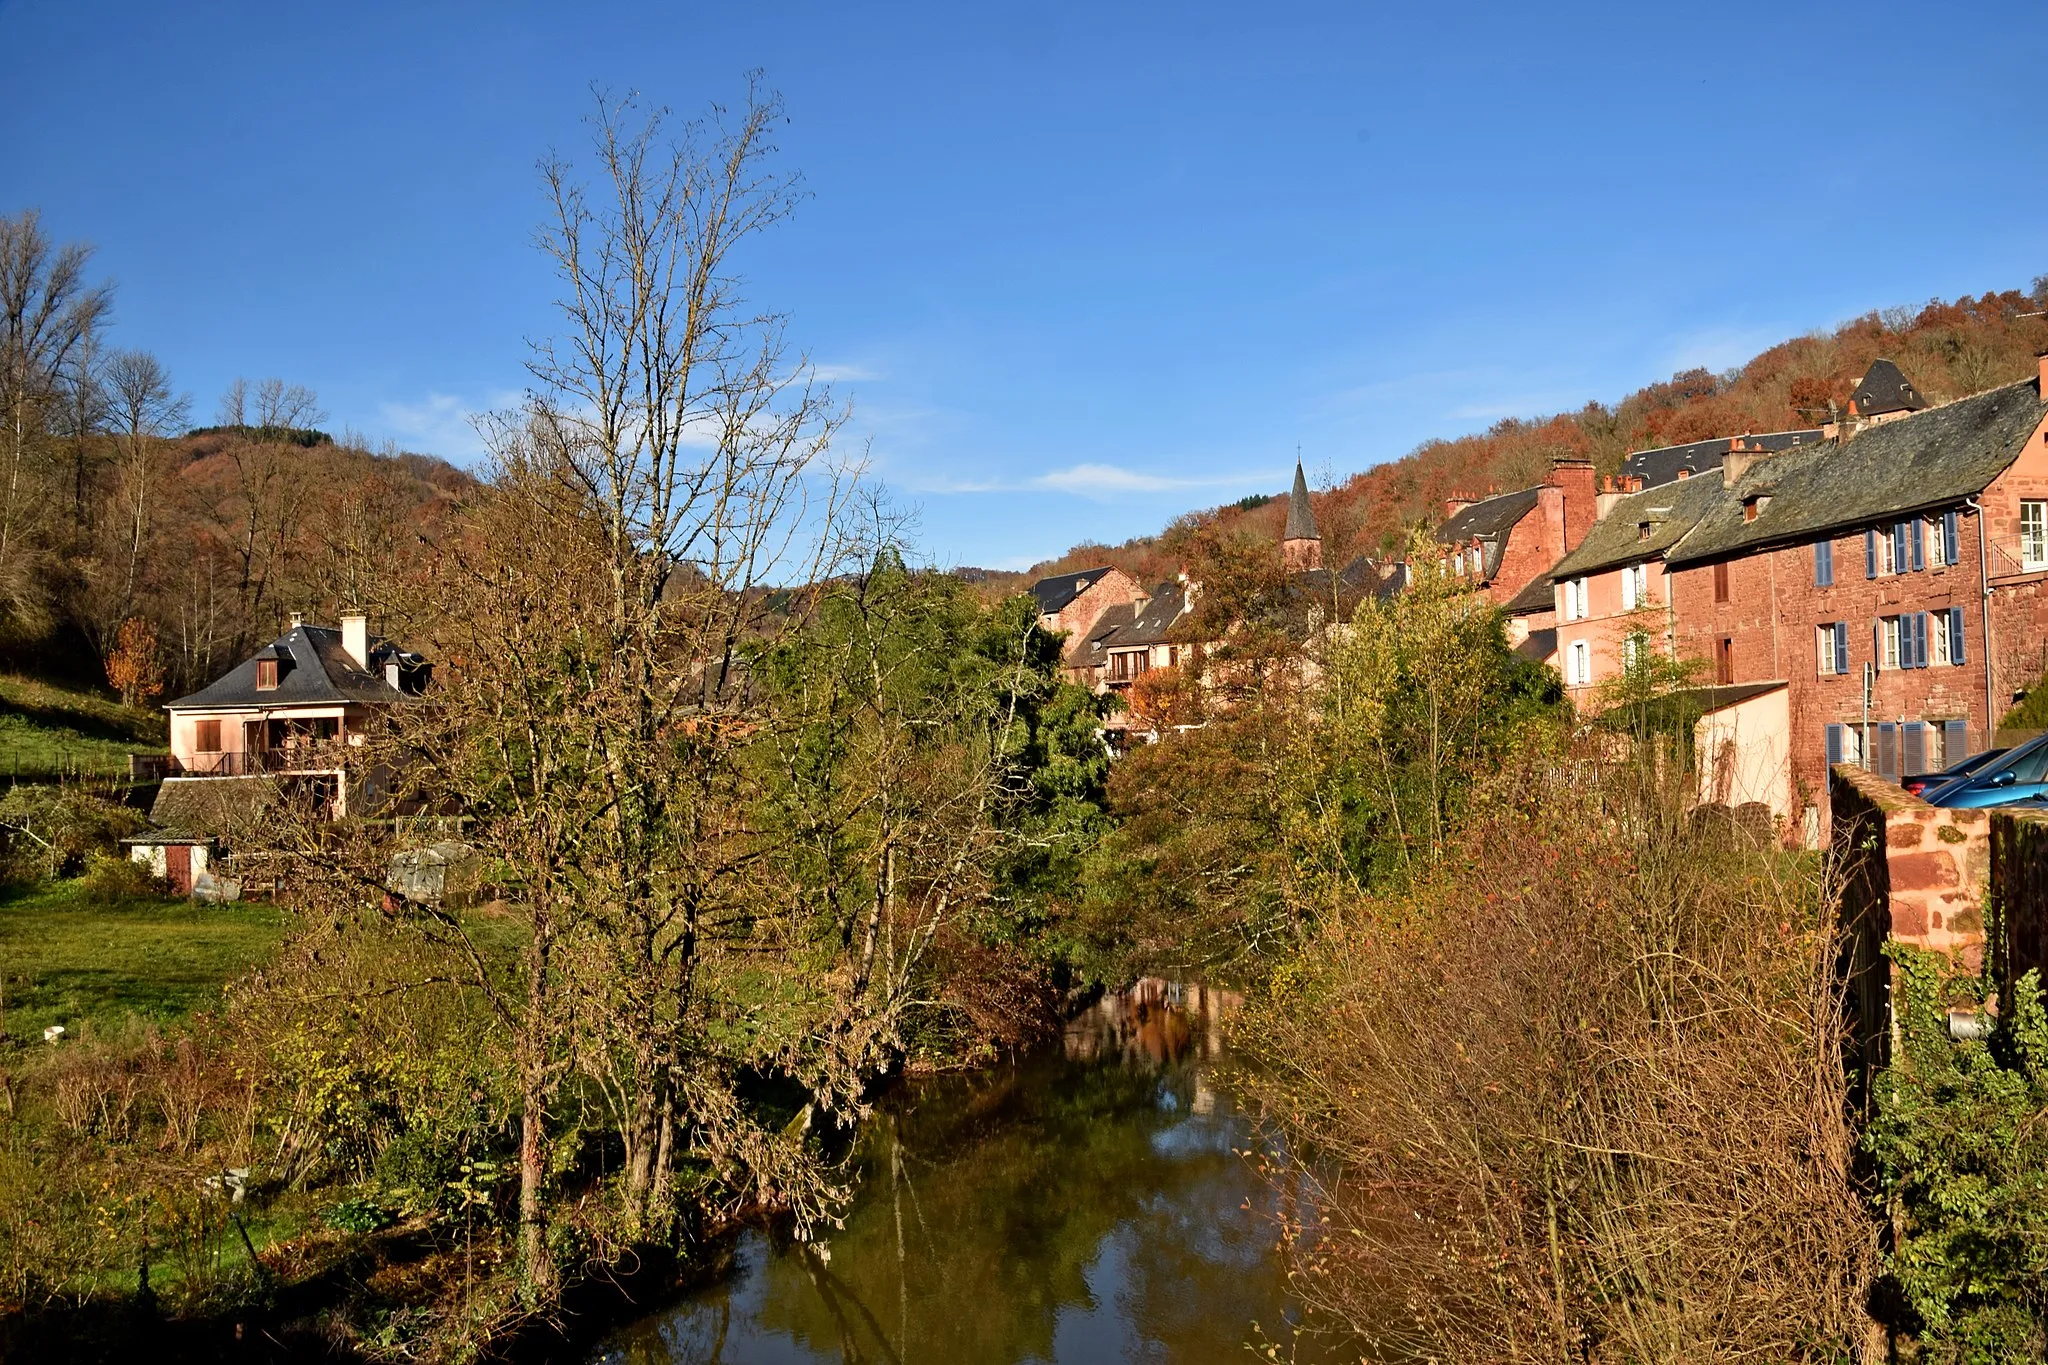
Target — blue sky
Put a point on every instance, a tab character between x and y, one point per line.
1079	267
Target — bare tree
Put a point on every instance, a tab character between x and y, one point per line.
48	311
145	409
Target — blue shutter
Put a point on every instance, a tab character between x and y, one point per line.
1913	534
1956	652
1870	553
1841	646
1922	655
1834	745
1951	538
1913	759
1823	563
1955	739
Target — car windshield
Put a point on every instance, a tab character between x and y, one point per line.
2030	765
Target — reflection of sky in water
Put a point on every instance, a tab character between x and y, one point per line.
1084	1205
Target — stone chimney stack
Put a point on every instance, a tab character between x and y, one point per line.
355	639
1453	506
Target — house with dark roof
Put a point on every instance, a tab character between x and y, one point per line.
294	712
1668	464
1884	392
1504	545
1072	604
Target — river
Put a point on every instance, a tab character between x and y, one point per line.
1087	1203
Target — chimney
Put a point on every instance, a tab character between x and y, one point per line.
1735	464
1574	475
298	619
1453	506
355	639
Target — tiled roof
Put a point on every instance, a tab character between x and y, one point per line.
1159	614
313	669
1487	518
1055	593
1301	518
1090	652
1929	460
1670	511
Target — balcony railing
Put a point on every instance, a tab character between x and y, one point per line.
298	758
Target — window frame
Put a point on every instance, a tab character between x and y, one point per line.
2034	537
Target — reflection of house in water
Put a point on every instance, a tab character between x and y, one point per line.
1153	1024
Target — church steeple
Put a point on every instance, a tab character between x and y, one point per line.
1301	548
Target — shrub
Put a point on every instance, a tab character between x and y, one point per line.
52	831
360	1215
115	878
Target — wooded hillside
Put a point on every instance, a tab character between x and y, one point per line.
1948	349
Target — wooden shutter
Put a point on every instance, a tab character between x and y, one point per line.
1721	581
1918	544
1914	759
1841	646
1888	750
1823	563
1956	653
1951	538
1834	745
1955	739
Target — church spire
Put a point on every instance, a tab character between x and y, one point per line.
1301	547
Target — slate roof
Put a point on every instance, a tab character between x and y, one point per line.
1301	518
1168	602
1487	518
1884	389
1090	652
1540	645
1055	593
208	806
1671	509
313	670
1929	460
1537	595
1662	465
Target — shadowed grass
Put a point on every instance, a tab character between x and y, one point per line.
73	958
49	731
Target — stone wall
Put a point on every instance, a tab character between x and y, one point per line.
1931	881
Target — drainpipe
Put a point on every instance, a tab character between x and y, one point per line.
1984	582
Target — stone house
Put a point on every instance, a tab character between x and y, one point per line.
1505	545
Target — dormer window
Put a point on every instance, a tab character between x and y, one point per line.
266	674
1642	530
1754	504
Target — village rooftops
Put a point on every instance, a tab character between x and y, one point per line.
1919	463
1169	603
1639	526
1487	519
312	669
1884	389
1666	464
1056	592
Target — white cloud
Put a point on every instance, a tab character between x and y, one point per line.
1100	482
843	374
441	423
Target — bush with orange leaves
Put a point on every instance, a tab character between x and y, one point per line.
134	668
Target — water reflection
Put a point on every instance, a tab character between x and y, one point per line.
1087	1204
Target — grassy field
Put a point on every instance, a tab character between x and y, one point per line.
48	731
68	957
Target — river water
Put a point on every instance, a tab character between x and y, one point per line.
1089	1203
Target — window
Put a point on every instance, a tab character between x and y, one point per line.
1633	648
1902	641
1578	664
1912	546
1823	563
1478	562
1642	530
266	674
1845	744
2033	534
1575	599
1721	581
206	736
1724	660
1635	587
1831	647
1880	552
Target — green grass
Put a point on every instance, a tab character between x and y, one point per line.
70	957
49	731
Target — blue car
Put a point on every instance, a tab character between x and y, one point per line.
2019	778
